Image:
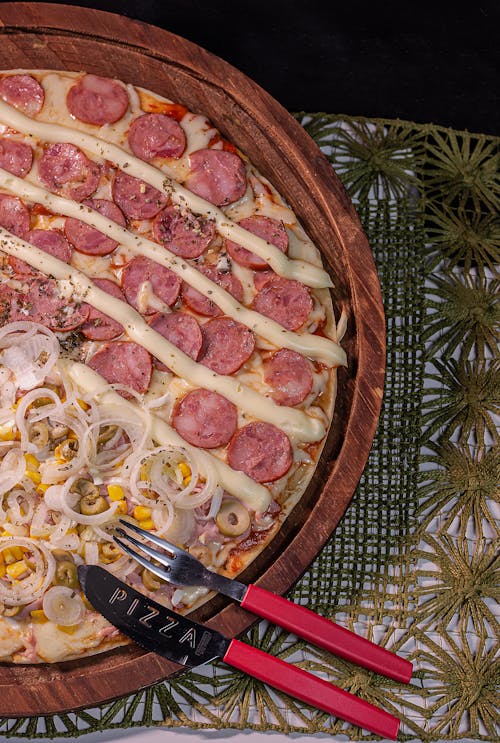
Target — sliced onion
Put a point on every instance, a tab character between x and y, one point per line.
215	503
163	518
34	585
179	526
39	525
60	498
16	500
136	430
157	402
122	567
91	553
12	469
63	524
22	344
53	472
62	605
7	391
43	412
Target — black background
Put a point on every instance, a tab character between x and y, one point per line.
434	63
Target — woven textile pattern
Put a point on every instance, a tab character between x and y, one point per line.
415	562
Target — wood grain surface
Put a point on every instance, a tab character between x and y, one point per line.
40	35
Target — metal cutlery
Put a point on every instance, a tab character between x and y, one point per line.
180	568
183	641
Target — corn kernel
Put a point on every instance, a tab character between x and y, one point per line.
115	492
1	558
147	524
69	629
83	404
32	462
16	569
3	570
42	488
73	530
12	554
185	469
7	433
144	473
122	507
141	513
34	476
38	615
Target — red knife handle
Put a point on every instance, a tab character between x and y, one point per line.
311	689
326	634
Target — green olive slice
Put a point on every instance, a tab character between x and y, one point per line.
233	518
106	434
109	552
59	554
39	434
84	487
92	504
66	574
150	581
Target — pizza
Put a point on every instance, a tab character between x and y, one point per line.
168	351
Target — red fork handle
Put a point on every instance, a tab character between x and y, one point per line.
310	689
326	634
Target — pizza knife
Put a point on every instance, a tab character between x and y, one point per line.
191	644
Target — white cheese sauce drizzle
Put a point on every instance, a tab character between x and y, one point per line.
302	271
295	423
254	495
313	346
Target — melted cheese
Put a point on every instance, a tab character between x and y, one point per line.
302	271
313	346
241	486
297	424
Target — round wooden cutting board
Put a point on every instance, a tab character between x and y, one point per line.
40	35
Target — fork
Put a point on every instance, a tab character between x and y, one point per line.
182	569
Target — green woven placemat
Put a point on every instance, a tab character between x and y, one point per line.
414	564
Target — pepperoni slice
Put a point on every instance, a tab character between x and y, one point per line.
290	376
284	300
87	239
14	215
23	92
265	227
156	135
227	344
97	100
164	283
124	362
44	304
66	169
180	329
205	419
197	301
16	157
52	242
136	199
261	451
262	277
183	232
217	176
101	327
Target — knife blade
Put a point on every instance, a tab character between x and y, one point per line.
191	644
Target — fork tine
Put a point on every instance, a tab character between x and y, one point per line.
142	560
152	538
154	554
